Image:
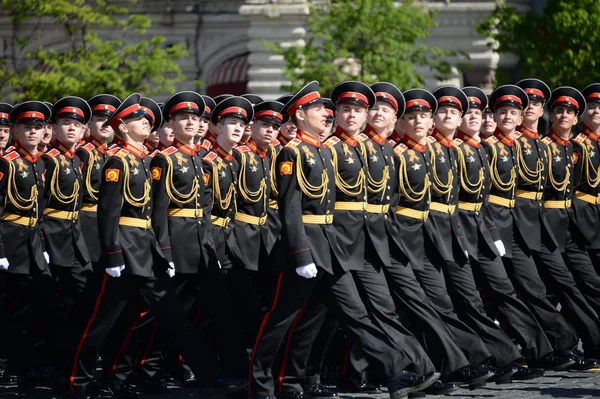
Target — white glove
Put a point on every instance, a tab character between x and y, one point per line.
500	247
47	257
115	271
219	263
466	253
308	271
171	269
3	264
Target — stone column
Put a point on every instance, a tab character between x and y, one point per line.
277	21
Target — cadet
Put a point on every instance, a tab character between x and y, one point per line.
93	156
203	144
5	126
488	124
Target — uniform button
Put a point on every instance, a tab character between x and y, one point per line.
388	197
328	190
389	188
328	200
327	212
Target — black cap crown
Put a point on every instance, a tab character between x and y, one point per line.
30	112
183	102
233	106
389	93
353	92
508	95
307	96
72	107
209	105
451	96
569	97
153	112
129	108
592	93
476	97
253	98
104	104
5	110
221	97
269	111
420	100
535	89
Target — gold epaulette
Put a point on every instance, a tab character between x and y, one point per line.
274	143
242	148
153	153
11	156
293	144
580	138
210	157
392	142
9	149
547	140
492	140
430	139
53	153
362	137
331	141
121	153
456	142
518	134
400	148
88	147
168	151
206	144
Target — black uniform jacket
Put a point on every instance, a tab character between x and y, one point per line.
21	187
350	171
412	199
124	215
306	182
220	178
586	160
62	200
529	207
558	193
273	214
178	219
93	156
474	177
443	224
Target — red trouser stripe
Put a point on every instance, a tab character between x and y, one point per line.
288	343
346	357
150	341
85	333
126	341
261	330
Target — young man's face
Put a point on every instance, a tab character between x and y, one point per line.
447	119
185	126
288	130
382	116
166	135
97	130
202	128
534	111
508	118
471	122
563	118
488	124
69	131
4	135
47	134
314	117
232	129
138	129
29	135
263	133
591	116
417	124
153	138
350	117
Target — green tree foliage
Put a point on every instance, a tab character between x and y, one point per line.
366	40
558	46
85	64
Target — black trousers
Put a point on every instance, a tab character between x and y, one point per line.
520	323
530	288
453	294
575	308
291	296
159	295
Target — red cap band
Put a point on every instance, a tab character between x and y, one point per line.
475	100
123	114
272	114
568	100
450	99
593	96
302	101
418	103
509	98
234	110
3	116
71	110
104	107
184	105
387	97
535	92
353	95
30	114
207	109
329	111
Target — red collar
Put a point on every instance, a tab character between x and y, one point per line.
345	137
556	138
101	147
503	138
282	139
64	150
184	148
590	133
308	138
26	154
374	135
252	145
467	139
209	136
221	152
443	140
134	150
118	141
395	136
197	147
413	145
528	132
149	146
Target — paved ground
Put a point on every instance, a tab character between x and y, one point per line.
557	385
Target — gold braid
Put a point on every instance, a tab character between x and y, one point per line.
373	185
530	176
128	196
64	199
438	185
272	160
344	187
174	195
557	186
225	203
311	191
467	185
404	180
588	167
251	196
22	204
88	176
495	176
